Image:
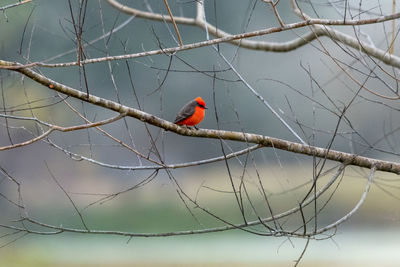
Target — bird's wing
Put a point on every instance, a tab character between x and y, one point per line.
186	111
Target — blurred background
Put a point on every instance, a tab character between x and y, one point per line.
305	86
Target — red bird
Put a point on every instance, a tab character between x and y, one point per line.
192	113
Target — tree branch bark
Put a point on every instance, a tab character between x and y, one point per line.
319	31
266	141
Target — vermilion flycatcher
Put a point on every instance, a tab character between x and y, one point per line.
192	113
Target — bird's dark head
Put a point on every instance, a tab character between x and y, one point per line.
200	102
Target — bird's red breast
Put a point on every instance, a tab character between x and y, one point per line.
192	113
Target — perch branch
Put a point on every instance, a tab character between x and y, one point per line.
266	141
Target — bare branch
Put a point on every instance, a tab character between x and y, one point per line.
61	229
379	54
3	8
350	159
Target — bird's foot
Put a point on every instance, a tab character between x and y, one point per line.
189	127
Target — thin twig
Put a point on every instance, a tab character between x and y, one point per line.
174	23
356	207
391	49
68	196
302	253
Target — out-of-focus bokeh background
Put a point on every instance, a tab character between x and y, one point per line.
305	86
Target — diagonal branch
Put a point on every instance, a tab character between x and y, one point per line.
266	141
173	22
